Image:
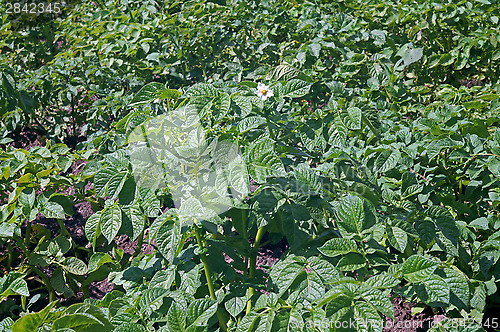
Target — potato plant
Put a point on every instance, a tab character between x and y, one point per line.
360	135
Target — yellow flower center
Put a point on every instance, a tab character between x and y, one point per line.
263	91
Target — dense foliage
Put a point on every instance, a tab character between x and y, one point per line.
376	160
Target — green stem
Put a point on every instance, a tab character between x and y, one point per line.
244	222
65	232
23	303
220	314
253	265
140	241
86	292
28	235
73	115
9	256
63	228
46	281
44	277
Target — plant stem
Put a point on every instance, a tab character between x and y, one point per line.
140	241
28	235
46	281
253	263
9	256
244	222
73	115
23	302
63	228
43	276
220	314
65	232
271	133
86	292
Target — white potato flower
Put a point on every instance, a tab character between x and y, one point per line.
263	91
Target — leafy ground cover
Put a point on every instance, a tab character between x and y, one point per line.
250	166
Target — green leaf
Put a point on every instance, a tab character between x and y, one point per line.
168	239
6	325
97	260
244	103
201	104
367	316
176	318
262	160
387	160
310	288
264	207
324	269
124	318
247	322
434	291
379	300
306	176
283	321
222	105
13	284
353	118
297	224
355	215
412	55
238	176
338	302
31	322
282	73
478	300
426	230
75	266
59	283
147	94
266	321
60	245
133	221
109	182
398	238
459	288
418	268
284	274
130	327
110	222
446	59
338	246
163	278
448	227
201	90
235	305
351	262
7	230
382	281
480	223
116	184
250	123
152	298
190	280
92	229
199	311
314	48
52	210
296	88
77	321
338	132
169	94
27	178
